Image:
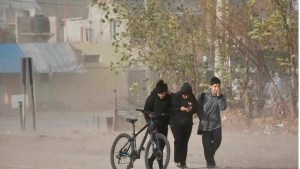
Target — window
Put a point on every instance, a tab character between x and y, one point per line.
89	34
114	28
92	58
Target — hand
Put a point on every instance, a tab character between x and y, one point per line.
185	109
151	115
219	93
182	108
189	109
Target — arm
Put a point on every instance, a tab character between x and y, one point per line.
175	104
200	101
149	104
222	102
195	104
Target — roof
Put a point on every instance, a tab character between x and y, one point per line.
10	58
65	8
105	49
46	57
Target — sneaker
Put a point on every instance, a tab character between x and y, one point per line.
184	166
150	162
210	166
181	166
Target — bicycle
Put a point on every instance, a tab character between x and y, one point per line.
124	150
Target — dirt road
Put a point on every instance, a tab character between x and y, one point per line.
73	142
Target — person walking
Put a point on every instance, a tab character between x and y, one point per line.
159	101
184	105
210	104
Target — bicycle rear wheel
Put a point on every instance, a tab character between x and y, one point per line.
157	153
121	150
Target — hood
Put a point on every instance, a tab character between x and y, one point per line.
186	89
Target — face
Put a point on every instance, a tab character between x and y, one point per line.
162	95
185	96
215	88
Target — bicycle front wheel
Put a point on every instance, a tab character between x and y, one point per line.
157	153
121	151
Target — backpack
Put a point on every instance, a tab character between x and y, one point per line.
200	131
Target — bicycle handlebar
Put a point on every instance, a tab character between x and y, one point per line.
153	113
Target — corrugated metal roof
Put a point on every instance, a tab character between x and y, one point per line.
10	58
105	49
59	56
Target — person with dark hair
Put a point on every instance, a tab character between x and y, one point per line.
159	101
184	105
210	104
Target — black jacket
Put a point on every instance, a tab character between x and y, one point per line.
155	104
183	118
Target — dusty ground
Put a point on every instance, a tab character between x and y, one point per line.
78	141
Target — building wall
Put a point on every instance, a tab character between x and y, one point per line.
10	85
101	31
24	33
90	91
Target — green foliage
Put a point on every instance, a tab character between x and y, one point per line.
173	45
157	38
271	30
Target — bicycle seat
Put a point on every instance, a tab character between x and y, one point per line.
132	120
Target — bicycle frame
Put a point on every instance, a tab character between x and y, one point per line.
133	151
137	152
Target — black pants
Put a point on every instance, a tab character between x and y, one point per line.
181	139
211	141
163	129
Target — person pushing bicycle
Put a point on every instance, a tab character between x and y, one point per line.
159	101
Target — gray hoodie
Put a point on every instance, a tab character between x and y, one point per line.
209	110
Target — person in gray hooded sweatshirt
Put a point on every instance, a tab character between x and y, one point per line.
184	105
210	104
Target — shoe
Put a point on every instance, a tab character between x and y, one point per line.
210	166
150	162
182	166
178	165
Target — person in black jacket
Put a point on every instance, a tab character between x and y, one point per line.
184	105
159	101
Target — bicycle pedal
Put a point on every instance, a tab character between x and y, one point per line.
143	148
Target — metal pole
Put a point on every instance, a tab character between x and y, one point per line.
24	79
32	92
21	112
115	107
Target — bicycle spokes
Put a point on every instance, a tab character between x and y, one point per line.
157	149
157	154
121	152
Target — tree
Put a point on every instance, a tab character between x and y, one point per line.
168	43
248	39
263	33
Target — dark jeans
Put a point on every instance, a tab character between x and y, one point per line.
163	129
181	139
211	141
